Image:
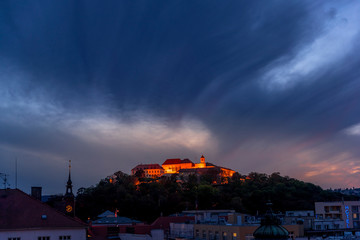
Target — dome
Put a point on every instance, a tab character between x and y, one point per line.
270	228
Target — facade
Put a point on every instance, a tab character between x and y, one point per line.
157	234
229	225
181	230
337	215
184	168
174	165
305	217
150	170
237	232
26	218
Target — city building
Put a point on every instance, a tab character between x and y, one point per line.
27	218
149	170
181	230
237	232
305	217
337	215
132	229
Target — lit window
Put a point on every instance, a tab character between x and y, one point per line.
234	236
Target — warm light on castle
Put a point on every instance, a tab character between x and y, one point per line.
183	167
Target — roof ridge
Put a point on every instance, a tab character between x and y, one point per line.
75	219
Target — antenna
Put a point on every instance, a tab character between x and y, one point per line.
4	176
16	173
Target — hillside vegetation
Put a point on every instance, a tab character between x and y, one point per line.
148	200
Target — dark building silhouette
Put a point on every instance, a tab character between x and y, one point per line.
69	196
36	192
270	228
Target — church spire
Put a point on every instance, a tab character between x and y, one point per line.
69	182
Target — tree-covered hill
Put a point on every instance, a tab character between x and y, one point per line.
149	199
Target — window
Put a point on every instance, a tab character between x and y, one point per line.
197	234
224	236
217	237
204	234
44	238
65	238
234	236
356	224
318	227
326	208
211	237
355	209
14	238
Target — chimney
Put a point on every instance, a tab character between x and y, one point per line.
36	192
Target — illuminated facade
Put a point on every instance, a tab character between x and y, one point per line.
186	168
183	167
174	165
150	170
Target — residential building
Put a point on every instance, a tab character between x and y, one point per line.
181	230
337	215
305	217
23	217
237	232
229	225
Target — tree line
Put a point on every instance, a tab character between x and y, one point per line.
146	199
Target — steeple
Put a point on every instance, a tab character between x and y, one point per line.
69	198
69	191
202	159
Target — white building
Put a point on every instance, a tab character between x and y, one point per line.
23	217
335	215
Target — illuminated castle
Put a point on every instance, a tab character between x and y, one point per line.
183	167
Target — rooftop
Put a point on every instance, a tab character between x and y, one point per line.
147	166
18	210
176	161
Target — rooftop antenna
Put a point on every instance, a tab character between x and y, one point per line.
4	176
16	173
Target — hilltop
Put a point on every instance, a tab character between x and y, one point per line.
147	199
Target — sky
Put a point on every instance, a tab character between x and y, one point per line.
256	86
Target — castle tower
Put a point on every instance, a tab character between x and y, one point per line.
202	162
69	196
202	159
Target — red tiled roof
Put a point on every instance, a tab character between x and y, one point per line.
21	211
176	161
147	166
164	222
172	161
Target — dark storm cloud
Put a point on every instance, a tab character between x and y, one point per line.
257	85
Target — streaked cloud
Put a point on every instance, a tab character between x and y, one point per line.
253	86
334	42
